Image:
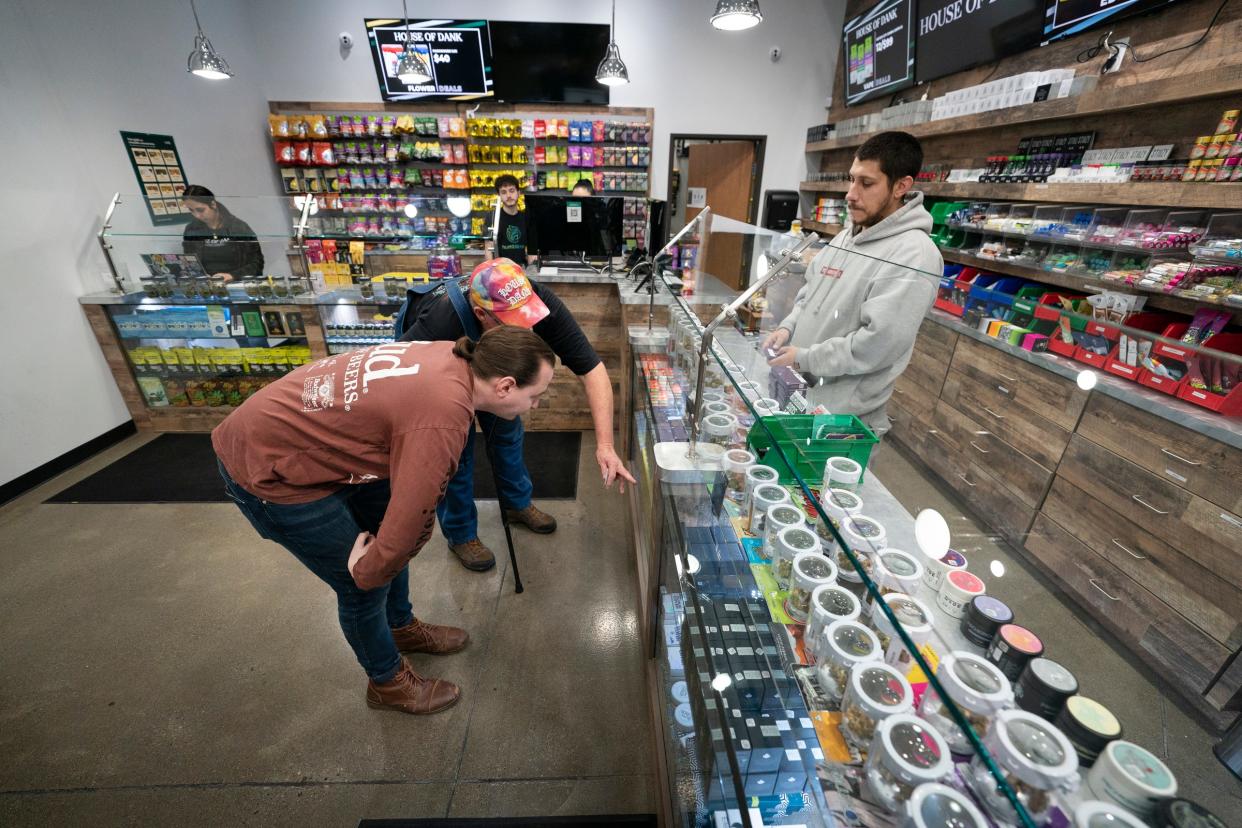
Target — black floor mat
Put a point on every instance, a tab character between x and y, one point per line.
614	821
181	468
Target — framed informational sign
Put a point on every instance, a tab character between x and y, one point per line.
161	178
459	53
879	51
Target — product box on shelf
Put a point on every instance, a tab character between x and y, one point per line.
1164	368
1214	382
1126	358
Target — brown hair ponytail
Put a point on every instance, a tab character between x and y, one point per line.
506	351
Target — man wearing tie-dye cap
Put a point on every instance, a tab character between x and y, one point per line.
498	292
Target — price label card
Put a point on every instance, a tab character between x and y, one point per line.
573	212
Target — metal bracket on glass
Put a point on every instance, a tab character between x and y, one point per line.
106	246
299	236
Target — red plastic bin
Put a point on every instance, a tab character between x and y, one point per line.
1229	404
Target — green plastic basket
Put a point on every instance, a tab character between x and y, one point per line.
792	433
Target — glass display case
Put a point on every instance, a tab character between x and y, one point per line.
810	632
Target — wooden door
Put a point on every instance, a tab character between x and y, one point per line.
726	170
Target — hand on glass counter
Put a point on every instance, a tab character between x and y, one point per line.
777	339
785	356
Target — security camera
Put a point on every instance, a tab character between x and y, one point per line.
775	53
346	40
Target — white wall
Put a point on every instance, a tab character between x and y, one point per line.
71	76
698	79
73	73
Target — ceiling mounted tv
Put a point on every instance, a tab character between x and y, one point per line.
879	51
548	62
1064	18
952	35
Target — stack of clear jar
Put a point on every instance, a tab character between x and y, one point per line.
905	753
756	476
978	689
864	537
843	645
1034	758
915	618
842	473
763	497
829	603
791	542
835	506
719	429
876	691
895	571
810	571
780	517
735	463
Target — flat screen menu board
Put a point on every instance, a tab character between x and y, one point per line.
1070	17
952	35
459	53
879	51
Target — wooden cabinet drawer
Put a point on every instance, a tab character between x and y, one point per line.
907	429
1201	530
1035	390
1207	467
1003	512
1209	602
913	397
1180	653
926	371
1018	473
1226	693
1027	431
936	340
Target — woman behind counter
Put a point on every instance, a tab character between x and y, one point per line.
224	244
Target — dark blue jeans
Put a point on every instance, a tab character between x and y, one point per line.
459	519
321	534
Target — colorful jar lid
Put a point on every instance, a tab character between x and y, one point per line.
967	582
1142	768
1021	639
1093	717
912	749
935	805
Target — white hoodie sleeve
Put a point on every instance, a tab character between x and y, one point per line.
890	318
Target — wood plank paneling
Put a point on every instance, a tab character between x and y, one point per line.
118	363
1023	477
1206	600
1004	512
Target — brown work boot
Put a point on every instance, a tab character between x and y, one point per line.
533	519
411	693
417	637
474	555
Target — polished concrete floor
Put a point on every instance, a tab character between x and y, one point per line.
161	664
1151	713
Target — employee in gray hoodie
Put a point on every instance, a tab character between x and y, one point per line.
854	322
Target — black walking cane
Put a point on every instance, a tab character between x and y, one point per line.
504	517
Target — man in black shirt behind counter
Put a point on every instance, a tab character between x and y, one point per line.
499	293
511	236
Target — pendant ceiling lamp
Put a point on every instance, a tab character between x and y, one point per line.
612	71
203	61
412	68
735	15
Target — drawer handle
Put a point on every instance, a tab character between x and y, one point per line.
966	480
1101	589
1138	499
1134	555
978	448
1006	377
1181	459
993	413
898	391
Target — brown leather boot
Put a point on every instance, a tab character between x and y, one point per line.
435	639
474	555
533	519
411	693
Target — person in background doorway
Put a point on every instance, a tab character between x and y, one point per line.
224	244
342	463
511	235
853	324
499	292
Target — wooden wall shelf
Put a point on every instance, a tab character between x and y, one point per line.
828	230
1104	100
1153	193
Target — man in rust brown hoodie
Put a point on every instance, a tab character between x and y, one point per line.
314	459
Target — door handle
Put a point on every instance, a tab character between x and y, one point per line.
978	448
1181	459
1134	555
1006	377
1138	499
1101	589
966	480
993	413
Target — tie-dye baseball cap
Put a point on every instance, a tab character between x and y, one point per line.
501	287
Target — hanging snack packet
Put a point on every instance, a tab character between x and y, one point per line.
318	126
539	127
597	131
321	152
282	152
278	125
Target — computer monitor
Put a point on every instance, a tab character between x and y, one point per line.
561	227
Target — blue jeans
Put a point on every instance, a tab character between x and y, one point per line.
459	519
321	534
